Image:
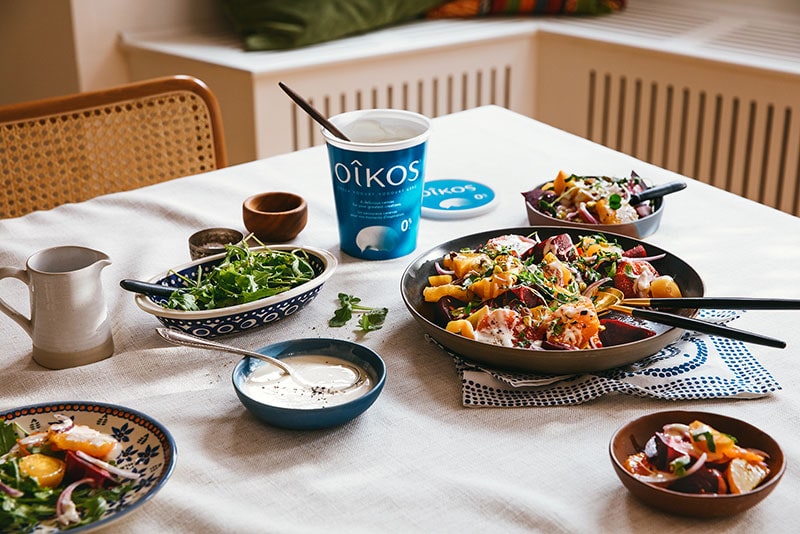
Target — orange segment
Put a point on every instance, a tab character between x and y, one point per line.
88	440
46	470
744	476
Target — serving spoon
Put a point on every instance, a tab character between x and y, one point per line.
181	338
656	192
148	288
611	299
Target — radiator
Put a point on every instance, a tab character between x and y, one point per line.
746	144
707	89
433	96
707	92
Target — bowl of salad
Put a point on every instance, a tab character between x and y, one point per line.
600	203
242	288
78	465
523	298
696	464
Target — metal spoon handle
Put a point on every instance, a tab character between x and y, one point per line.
181	338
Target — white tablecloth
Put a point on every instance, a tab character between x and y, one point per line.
418	460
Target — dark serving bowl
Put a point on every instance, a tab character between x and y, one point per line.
632	436
639	228
415	279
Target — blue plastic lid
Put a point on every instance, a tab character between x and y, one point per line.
456	199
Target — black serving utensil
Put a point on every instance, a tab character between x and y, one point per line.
688	323
656	192
313	113
148	288
718	303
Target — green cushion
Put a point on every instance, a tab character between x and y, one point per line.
284	24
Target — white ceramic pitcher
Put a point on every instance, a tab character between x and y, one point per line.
69	323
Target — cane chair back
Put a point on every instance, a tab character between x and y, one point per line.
76	147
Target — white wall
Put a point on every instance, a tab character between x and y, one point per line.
38	53
53	47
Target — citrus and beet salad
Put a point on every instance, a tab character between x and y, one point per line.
520	291
697	458
60	478
590	199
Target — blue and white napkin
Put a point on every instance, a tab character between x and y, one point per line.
697	366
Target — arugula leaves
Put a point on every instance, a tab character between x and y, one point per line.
371	318
36	507
8	437
243	276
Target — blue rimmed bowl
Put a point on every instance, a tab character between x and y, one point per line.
147	447
321	416
232	319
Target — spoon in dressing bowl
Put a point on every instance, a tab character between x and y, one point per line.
354	376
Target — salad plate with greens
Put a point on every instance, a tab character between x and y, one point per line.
77	466
243	288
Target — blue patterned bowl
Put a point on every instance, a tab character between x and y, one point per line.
147	447
221	321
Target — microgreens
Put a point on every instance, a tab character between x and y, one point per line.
371	318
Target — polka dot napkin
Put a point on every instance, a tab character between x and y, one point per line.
697	366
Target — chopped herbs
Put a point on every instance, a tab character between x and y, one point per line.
371	318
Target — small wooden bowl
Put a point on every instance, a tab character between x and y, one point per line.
631	437
275	216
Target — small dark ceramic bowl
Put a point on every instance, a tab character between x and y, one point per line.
275	216
631	437
313	418
637	229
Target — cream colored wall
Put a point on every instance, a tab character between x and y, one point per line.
38	54
54	47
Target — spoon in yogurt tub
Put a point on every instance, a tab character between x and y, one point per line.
339	377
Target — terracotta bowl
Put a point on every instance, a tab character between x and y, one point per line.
631	438
275	216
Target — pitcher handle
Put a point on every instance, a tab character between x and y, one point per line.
22	275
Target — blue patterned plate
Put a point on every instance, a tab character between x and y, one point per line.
212	323
147	447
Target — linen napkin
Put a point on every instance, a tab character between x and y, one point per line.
697	366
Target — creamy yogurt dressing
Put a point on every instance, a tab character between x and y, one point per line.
270	385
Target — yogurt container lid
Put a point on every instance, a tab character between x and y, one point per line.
456	199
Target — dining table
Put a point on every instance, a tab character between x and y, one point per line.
422	458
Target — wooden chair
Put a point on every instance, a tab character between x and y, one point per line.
76	147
